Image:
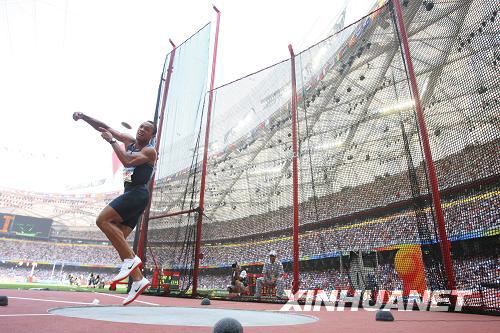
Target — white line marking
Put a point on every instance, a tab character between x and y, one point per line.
27	314
49	300
124	298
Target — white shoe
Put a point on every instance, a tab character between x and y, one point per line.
137	288
128	267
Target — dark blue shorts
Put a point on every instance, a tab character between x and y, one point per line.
131	204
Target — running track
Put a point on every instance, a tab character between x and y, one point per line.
28	312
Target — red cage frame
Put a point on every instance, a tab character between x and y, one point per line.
430	169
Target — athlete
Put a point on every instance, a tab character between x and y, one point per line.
119	218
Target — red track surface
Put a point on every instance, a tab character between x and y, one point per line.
28	315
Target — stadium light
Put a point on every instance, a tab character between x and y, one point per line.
287	92
267	171
334	144
407	105
244	123
216	146
396	108
317	59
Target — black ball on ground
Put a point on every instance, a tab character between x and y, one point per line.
383	315
228	325
205	301
4	300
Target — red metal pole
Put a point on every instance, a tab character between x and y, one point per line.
431	171
205	158
295	170
145	216
173	214
165	93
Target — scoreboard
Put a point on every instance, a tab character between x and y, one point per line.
171	279
20	225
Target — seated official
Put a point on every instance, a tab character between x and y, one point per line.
273	276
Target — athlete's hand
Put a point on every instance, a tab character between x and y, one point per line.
77	116
105	134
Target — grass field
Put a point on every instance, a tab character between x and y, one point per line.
120	289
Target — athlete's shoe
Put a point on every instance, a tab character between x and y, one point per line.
137	288
127	267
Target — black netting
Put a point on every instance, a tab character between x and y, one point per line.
178	170
366	213
454	48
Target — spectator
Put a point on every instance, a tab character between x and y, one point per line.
273	276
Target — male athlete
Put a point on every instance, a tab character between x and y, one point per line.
119	218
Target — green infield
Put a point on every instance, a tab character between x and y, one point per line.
120	289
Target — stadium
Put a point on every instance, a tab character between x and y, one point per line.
367	162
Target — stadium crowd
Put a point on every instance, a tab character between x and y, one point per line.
473	214
469	164
85	204
465	216
483	214
473	272
470	274
385	190
51	252
24	273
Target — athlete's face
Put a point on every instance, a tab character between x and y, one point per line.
145	132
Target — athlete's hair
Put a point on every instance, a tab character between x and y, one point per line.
154	126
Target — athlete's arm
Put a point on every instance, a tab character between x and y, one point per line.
122	137
146	155
97	125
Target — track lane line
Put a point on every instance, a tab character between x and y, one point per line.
49	300
124	298
26	314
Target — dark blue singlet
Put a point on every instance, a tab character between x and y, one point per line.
131	204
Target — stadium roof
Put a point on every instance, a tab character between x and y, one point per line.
78	211
354	107
354	98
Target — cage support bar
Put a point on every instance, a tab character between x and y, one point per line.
430	168
197	251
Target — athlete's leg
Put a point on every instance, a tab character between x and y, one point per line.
125	229
108	221
136	273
